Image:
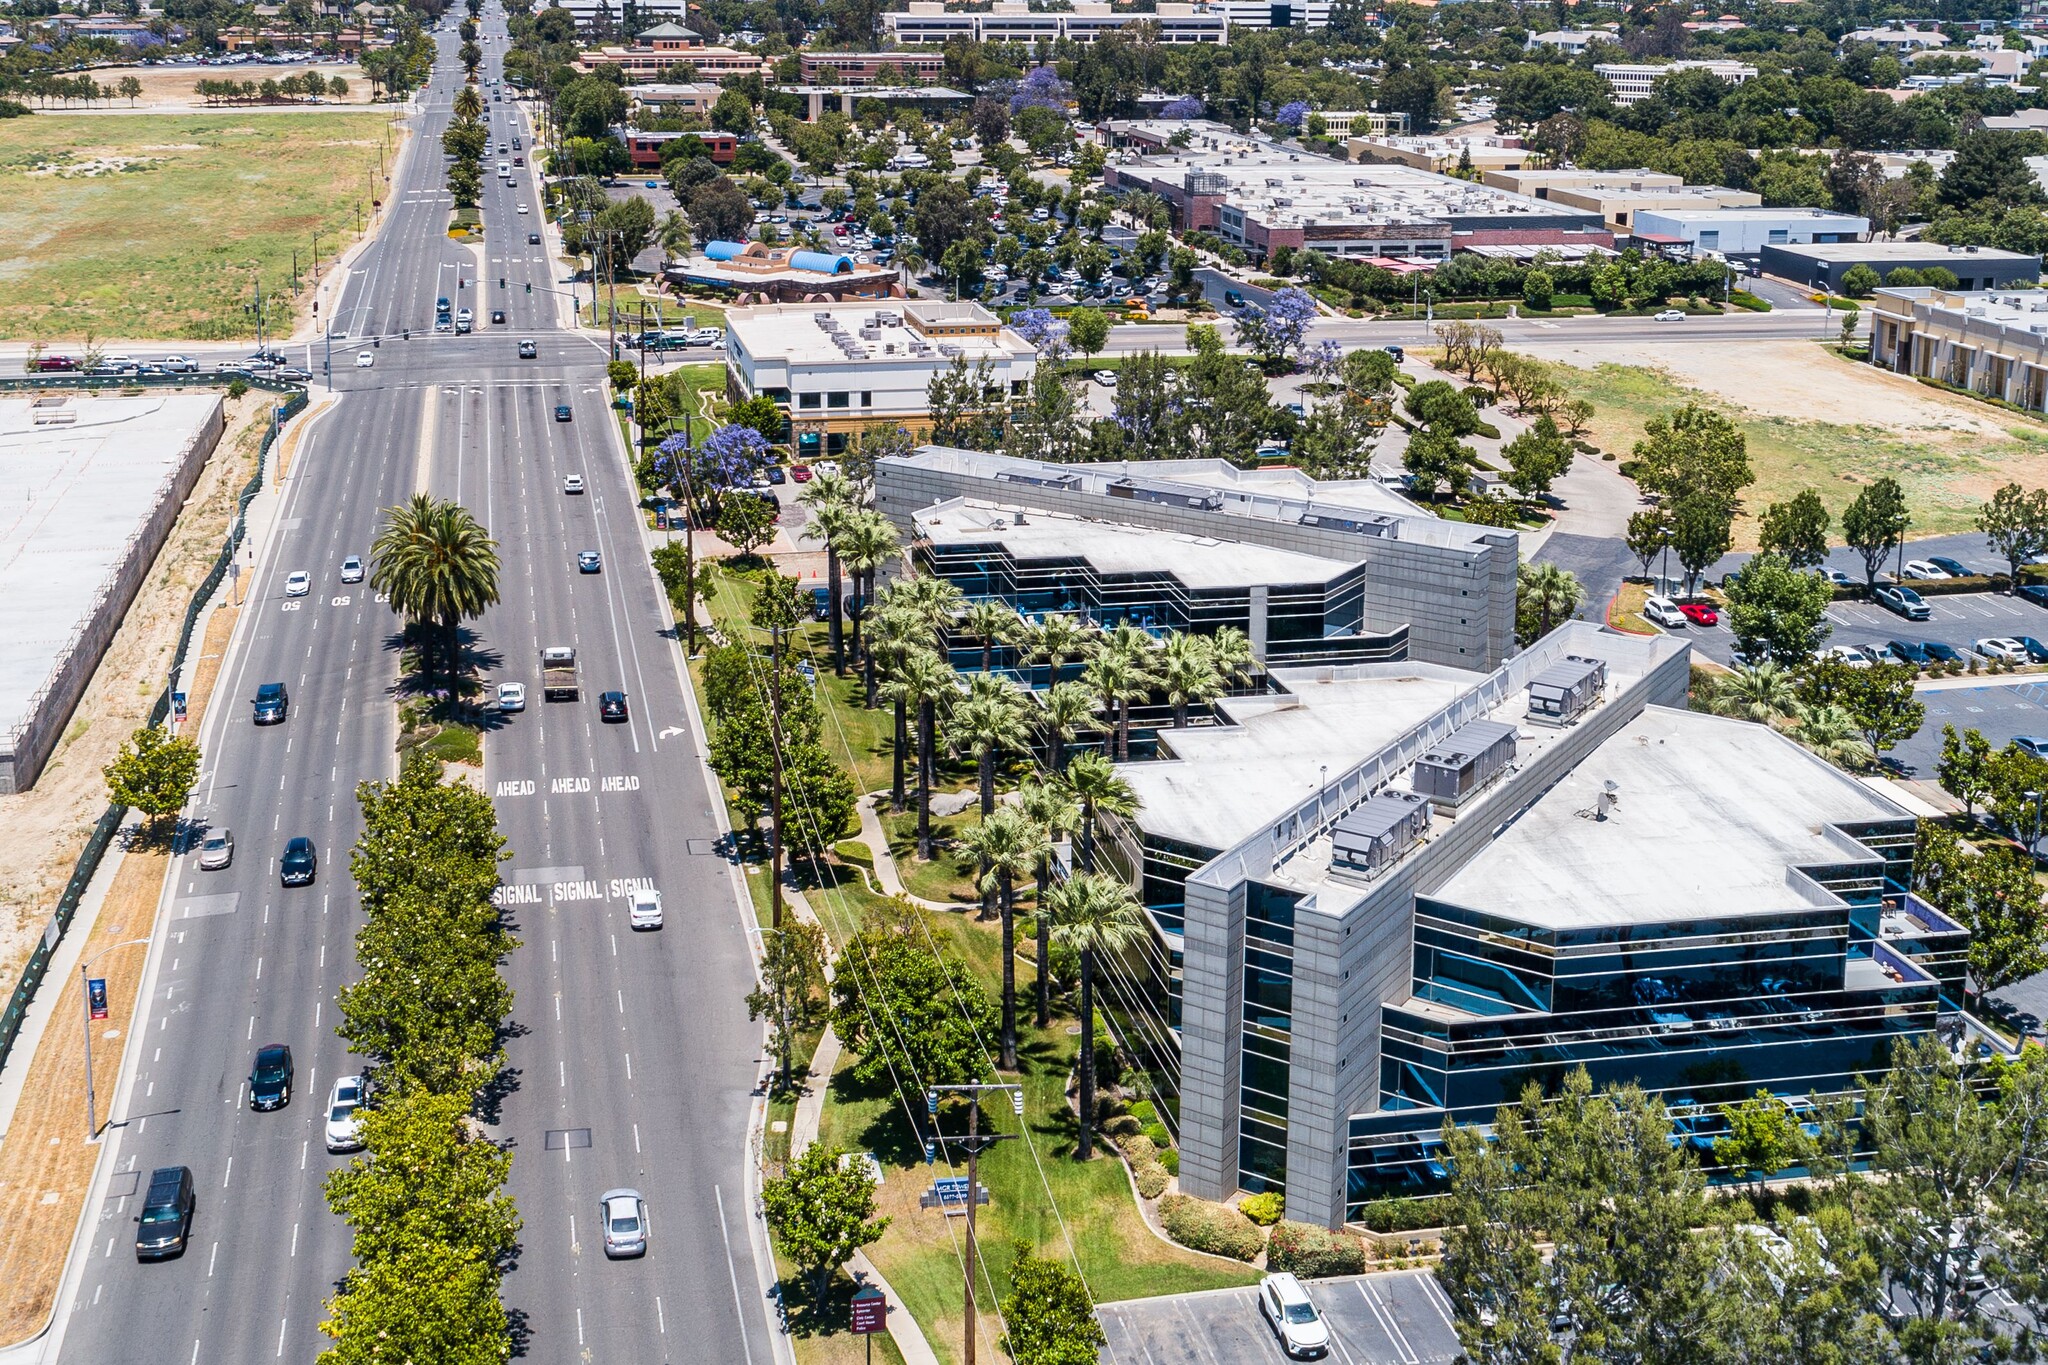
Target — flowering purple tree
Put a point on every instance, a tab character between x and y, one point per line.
1292	113
1184	108
1322	359
1041	88
730	457
669	459
1046	333
1280	328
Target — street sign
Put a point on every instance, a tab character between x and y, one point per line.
177	706
96	996
870	1311
950	1193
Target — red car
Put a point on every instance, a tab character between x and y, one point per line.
1699	613
49	363
800	472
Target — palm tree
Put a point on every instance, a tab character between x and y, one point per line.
1051	807
1068	709
992	621
929	683
1547	595
1116	680
990	719
833	500
468	103
1007	846
1763	692
674	235
870	542
892	634
1231	651
1101	790
1187	672
1831	732
1057	638
937	600
1093	914
436	564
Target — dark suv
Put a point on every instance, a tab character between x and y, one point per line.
270	1080
272	702
166	1217
299	863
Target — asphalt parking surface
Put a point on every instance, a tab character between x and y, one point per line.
1399	1318
1956	621
2019	706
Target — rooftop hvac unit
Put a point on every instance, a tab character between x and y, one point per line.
947	348
1373	837
1378	524
1473	756
1200	500
1566	690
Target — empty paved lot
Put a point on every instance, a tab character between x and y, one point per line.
1398	1318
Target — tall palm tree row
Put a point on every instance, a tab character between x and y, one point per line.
1188	674
1066	710
1052	808
993	718
868	542
1007	845
929	687
437	566
892	634
1116	680
1100	790
1056	638
1092	914
834	501
992	621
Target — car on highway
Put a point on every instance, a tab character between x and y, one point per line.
511	696
497	317
2001	647
1851	655
364	360
344	1129
270	1079
1668	315
297	583
165	1223
178	364
217	849
522	208
1663	611
352	569
1954	568
562	413
588	561
1700	613
527	350
643	911
1902	600
271	703
2035	745
572	483
611	706
1292	1315
300	862
1941	653
624	1215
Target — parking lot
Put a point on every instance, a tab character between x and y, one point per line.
1956	621
2002	710
1398	1318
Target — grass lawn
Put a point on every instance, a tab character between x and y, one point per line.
1787	455
160	225
949	876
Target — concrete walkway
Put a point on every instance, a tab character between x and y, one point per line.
877	840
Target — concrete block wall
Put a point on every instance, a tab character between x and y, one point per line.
1457	601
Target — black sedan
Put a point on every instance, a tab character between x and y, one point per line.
611	706
561	412
299	863
270	1080
497	317
1940	653
533	239
1954	568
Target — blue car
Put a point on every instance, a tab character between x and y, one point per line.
1941	653
1906	652
2037	652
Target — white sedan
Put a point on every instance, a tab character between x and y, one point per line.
2002	647
645	909
1922	569
1850	655
1669	315
511	696
522	208
365	359
298	583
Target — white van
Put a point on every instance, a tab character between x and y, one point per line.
504	170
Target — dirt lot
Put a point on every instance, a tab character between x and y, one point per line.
48	824
1816	421
170	87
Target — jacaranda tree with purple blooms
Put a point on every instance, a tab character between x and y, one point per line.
1184	108
1279	329
1041	88
1292	113
730	457
1046	333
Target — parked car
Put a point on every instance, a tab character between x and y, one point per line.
2037	593
644	910
1906	652
511	696
1924	570
300	862
2037	653
800	473
344	1129
2002	647
611	706
1837	577
217	849
587	561
1850	655
624	1215
1941	653
2035	745
1954	568
1904	601
270	1079
1293	1317
1662	611
1700	613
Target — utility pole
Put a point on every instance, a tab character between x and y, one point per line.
975	1142
775	762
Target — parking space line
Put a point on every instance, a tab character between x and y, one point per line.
1386	1319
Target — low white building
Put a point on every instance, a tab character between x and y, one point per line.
1570	41
1633	81
1014	21
836	369
1899	39
1747	231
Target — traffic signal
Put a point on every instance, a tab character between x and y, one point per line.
529	288
501	281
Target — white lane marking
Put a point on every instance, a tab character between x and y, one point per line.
229	1173
732	1269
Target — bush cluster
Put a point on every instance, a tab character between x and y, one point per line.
1215	1228
1314	1251
1265	1208
1152	1178
1402	1215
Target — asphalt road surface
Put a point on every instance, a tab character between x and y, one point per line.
632	1062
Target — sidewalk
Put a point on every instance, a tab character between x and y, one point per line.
877	839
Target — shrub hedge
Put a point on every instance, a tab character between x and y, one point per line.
1317	1252
1401	1215
1215	1228
1152	1178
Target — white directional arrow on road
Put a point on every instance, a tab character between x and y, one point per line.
671	731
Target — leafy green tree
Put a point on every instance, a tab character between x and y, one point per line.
963	414
909	1014
1879	700
1088	330
437	566
1702	530
1537	458
425	1179
1964	768
1092	913
1777	612
745	522
1693	451
154	773
431	1302
1437	462
821	1211
1801	1291
1992	893
1442	407
1859	281
1875	524
1647	535
1761	1140
2015	521
788	996
1048	1316
1796	529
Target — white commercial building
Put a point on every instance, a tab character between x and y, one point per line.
1747	231
595	15
837	368
1014	21
1632	81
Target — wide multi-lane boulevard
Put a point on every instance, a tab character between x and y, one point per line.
632	1062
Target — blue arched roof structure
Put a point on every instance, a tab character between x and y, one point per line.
820	262
724	251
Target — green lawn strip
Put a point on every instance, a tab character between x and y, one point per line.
185	215
1944	484
828	1339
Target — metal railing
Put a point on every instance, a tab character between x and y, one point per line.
109	823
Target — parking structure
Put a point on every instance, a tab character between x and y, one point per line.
1398	1318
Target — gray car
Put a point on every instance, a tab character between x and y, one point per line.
624	1215
216	850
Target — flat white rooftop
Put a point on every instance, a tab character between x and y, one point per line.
72	496
1711	816
799	333
2005	308
1755	214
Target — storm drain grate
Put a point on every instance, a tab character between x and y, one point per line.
703	848
561	1139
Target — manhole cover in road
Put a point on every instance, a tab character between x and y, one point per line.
702	848
561	1139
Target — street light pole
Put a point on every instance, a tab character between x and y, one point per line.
92	1112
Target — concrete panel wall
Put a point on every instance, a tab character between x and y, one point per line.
25	749
1211	1039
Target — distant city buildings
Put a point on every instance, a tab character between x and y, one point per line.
754	273
1974	268
867	68
658	49
1633	81
1014	21
1745	232
1618	196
